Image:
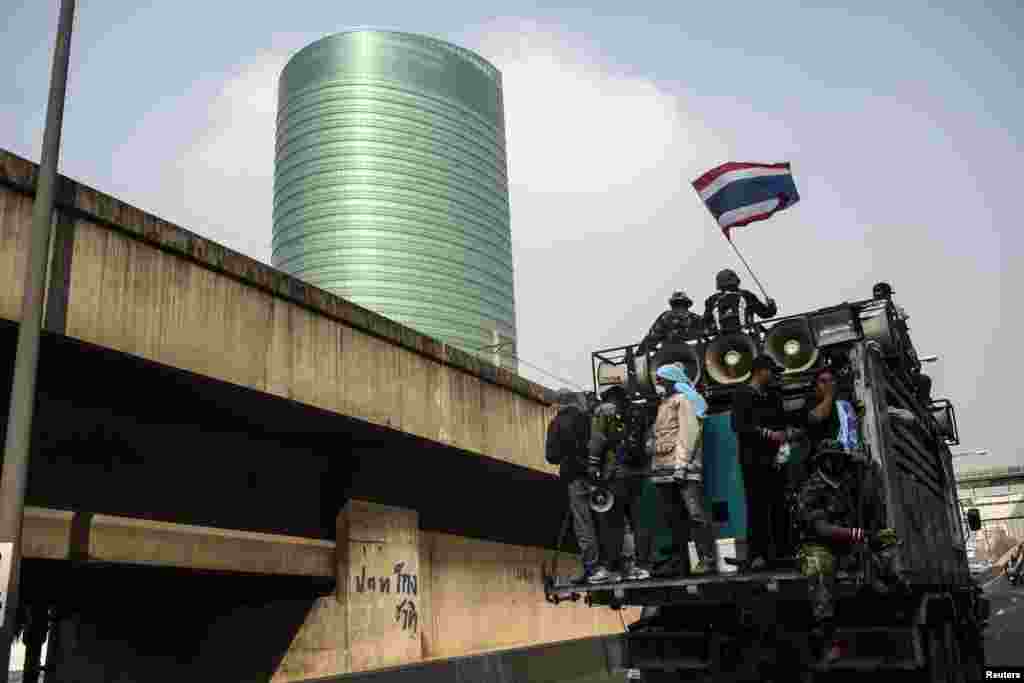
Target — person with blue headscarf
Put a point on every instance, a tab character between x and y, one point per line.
677	471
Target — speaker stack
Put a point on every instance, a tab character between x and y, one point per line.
687	354
791	344
611	374
729	358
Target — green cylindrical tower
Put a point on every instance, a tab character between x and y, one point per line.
391	184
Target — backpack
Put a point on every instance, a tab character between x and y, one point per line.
568	435
730	311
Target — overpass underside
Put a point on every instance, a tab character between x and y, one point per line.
184	527
120	435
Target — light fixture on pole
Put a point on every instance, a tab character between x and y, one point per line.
964	454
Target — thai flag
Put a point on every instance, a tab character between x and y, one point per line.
738	193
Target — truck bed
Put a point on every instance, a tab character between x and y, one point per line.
729	587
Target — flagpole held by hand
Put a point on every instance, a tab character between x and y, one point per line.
741	193
729	239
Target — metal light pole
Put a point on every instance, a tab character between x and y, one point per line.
23	390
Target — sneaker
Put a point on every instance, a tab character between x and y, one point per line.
757	565
637	574
584	577
704	568
600	575
833	652
675	568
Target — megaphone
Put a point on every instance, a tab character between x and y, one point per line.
601	498
644	370
790	343
611	373
874	320
687	354
729	358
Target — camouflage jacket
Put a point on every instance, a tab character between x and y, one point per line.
835	502
607	430
674	327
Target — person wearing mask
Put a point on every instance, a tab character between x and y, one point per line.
627	542
831	532
758	419
612	461
675	326
566	445
731	308
677	472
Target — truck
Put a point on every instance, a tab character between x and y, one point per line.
741	625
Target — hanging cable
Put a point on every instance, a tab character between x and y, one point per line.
496	347
541	370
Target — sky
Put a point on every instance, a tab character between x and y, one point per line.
902	122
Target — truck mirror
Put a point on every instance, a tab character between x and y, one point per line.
974	519
944	415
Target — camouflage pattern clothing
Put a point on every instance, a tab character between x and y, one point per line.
611	443
673	327
835	501
607	432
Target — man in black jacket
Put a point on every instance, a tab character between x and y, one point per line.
567	444
758	419
731	308
675	326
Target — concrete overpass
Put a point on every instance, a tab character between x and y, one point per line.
235	472
998	493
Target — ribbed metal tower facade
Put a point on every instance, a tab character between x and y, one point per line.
391	184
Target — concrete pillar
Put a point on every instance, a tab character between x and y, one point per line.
379	584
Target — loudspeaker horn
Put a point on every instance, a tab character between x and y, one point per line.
729	358
877	326
687	354
643	374
601	498
790	343
610	373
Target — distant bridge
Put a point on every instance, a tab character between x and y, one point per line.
998	493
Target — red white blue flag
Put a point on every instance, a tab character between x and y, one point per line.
739	193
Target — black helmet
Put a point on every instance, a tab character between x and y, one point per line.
680	297
727	279
882	290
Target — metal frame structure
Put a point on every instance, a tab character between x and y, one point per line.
902	357
931	624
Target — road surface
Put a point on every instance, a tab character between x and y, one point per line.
1005	634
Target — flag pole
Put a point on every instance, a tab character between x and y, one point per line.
729	240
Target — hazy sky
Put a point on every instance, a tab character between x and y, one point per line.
902	122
